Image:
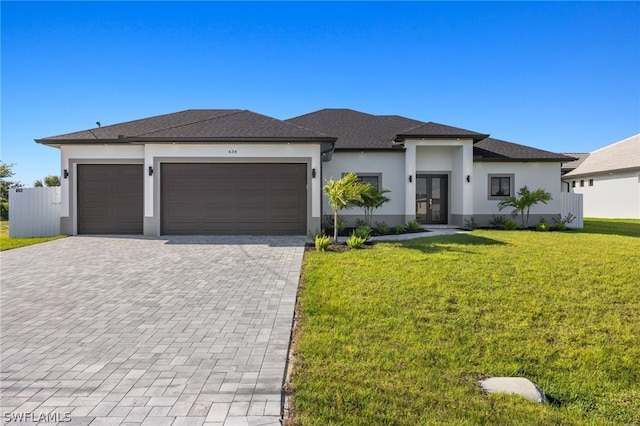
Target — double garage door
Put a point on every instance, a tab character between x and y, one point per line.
196	199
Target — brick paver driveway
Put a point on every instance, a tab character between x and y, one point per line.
179	331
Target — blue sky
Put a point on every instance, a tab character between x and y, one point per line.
564	77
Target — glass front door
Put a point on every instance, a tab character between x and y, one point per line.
431	199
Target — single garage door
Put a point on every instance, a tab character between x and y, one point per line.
250	199
110	198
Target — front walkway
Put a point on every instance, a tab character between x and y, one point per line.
432	232
166	331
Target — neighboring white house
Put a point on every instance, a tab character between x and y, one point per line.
609	180
238	172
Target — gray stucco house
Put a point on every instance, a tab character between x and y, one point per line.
239	172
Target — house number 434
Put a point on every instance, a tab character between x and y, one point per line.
233	151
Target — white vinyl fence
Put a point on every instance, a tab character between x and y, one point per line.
572	203
34	212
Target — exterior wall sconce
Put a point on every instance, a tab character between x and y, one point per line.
468	178
313	173
150	171
410	178
65	173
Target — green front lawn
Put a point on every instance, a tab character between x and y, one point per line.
7	243
401	333
628	227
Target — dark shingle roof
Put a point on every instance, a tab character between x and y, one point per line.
210	124
358	130
349	129
432	129
354	129
491	149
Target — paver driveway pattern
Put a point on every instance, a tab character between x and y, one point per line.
157	331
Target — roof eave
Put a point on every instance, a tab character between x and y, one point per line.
520	160
60	142
397	148
477	137
147	140
601	172
234	139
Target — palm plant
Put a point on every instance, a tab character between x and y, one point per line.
522	204
371	200
344	194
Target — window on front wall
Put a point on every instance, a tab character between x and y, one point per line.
500	186
590	182
372	179
581	183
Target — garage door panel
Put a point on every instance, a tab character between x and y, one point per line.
110	198
233	198
289	199
93	200
285	212
252	194
217	211
247	216
186	228
218	215
125	198
185	216
255	185
220	198
249	227
288	184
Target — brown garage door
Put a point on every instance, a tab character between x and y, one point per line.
251	199
110	198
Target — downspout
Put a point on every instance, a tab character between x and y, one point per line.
324	159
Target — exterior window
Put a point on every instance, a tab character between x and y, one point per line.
590	182
573	183
372	179
581	183
500	186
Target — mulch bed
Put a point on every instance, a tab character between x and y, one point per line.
344	247
337	247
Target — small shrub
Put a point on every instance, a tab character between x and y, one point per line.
510	225
322	242
355	242
360	222
470	224
362	231
498	221
383	228
413	226
542	226
561	225
399	229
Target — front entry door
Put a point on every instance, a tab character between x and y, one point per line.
431	199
